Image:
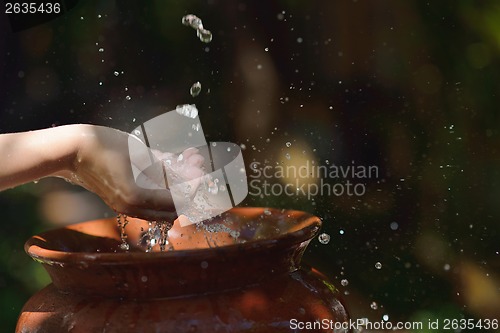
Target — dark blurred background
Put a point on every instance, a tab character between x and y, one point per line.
408	86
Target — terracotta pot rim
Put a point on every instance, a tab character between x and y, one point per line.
310	227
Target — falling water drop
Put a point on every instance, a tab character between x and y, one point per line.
344	282
324	238
205	35
195	89
188	110
195	22
378	265
288	144
212	186
374	305
124	246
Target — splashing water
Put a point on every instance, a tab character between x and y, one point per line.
157	233
195	89
324	238
188	110
195	22
204	35
122	222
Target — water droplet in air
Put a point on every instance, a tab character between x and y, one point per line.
324	238
193	21
212	187
288	144
204	264
101	49
188	110
195	89
137	132
116	73
378	265
124	246
128	98
385	317
344	282
374	305
267	212
205	35
185	19
287	156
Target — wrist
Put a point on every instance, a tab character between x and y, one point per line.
69	140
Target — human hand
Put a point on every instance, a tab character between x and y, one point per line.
103	166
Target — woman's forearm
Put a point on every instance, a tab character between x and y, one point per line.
99	159
29	156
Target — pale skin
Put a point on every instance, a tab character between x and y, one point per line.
96	158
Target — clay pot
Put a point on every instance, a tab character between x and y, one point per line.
206	284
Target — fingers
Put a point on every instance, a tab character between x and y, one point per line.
151	177
189	152
154	205
195	160
191	172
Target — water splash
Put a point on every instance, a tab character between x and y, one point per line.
195	22
188	110
204	35
195	89
157	233
324	238
122	222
